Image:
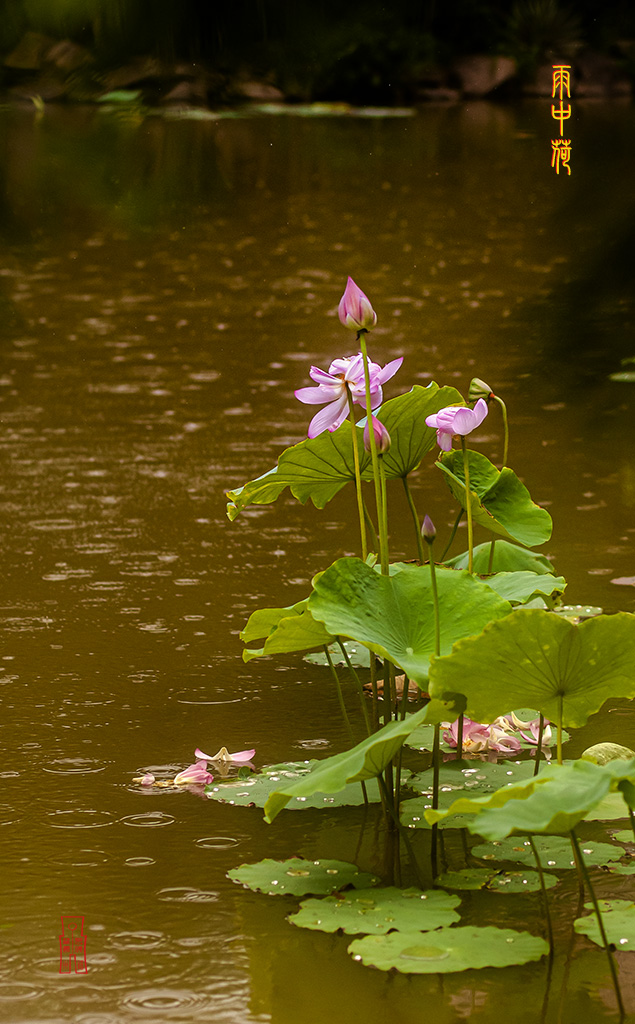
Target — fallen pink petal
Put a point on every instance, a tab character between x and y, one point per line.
240	757
196	772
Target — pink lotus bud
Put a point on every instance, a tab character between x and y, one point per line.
355	311
382	437
428	530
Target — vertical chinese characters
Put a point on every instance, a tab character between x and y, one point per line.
561	148
73	946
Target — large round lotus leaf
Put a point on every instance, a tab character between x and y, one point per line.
297	877
447	950
534	657
456	780
377	911
618	917
317	468
255	791
394	615
500	502
507	558
554	851
495	881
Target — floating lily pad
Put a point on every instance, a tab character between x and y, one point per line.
255	790
618	917
625	836
447	950
456	780
359	656
297	877
578	611
496	881
377	911
554	851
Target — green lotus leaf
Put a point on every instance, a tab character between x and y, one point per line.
500	502
377	911
565	671
290	629
618	917
317	468
297	877
457	781
364	761
625	836
255	790
523	586
358	655
553	801
447	950
555	852
394	615
507	558
495	881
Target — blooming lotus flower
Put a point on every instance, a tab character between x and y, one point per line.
223	755
456	419
382	437
197	772
355	310
479	738
344	376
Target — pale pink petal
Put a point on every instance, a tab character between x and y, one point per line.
318	396
204	757
389	370
322	377
480	411
329	418
444	441
196	773
464	421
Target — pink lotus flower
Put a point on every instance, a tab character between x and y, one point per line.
456	419
344	376
195	773
223	755
382	437
355	310
479	738
534	729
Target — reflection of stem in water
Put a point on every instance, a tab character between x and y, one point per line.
598	913
545	897
436	760
403	832
340	695
567	964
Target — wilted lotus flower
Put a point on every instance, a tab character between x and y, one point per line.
355	310
223	755
195	773
344	376
382	437
479	738
456	419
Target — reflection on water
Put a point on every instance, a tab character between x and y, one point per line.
165	288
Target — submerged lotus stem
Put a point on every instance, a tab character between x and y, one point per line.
598	913
545	897
383	546
468	506
415	518
358	476
541	729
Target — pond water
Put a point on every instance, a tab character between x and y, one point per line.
166	284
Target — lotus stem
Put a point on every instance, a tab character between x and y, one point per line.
358	683
436	764
545	897
598	914
435	601
415	518
541	729
632	819
383	548
358	476
468	503
560	713
338	687
503	408
383	528
447	547
459	738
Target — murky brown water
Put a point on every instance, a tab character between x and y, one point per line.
165	287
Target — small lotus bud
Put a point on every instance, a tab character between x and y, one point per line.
479	389
382	437
428	531
355	310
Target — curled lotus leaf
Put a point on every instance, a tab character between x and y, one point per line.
507	558
499	501
286	630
